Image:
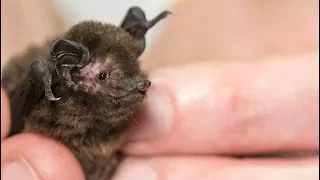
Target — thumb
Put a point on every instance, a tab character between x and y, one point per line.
31	157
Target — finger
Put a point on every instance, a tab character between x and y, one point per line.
247	107
206	168
33	157
5	114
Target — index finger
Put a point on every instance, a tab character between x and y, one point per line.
232	108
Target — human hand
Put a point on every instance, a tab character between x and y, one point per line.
31	157
286	118
198	111
224	106
210	109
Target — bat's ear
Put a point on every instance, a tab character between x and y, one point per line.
61	47
136	24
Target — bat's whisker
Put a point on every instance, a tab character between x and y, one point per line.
136	122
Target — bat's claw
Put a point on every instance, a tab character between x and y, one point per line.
51	97
49	94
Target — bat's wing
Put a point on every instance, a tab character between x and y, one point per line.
136	24
30	77
23	98
23	89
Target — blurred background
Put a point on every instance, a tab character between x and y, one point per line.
74	11
30	23
198	30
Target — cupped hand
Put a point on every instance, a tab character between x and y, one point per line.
198	111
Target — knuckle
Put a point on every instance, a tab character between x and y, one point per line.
239	123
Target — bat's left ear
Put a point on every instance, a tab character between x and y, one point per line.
61	47
136	24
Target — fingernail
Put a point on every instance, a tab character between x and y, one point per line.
18	170
155	117
140	171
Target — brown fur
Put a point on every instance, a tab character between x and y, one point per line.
89	124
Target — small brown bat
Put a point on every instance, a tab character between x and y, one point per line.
82	89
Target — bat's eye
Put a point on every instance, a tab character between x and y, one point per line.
103	76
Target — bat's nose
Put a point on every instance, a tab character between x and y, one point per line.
147	83
143	85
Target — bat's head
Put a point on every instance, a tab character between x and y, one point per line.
110	69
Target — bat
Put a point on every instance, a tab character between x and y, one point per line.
82	88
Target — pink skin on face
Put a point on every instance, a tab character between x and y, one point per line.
92	70
91	75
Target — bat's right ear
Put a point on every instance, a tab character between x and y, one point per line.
61	47
136	24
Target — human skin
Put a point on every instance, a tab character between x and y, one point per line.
227	111
195	112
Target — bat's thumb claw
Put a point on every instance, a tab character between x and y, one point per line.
54	99
50	97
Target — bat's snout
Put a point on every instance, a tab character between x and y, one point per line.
143	85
